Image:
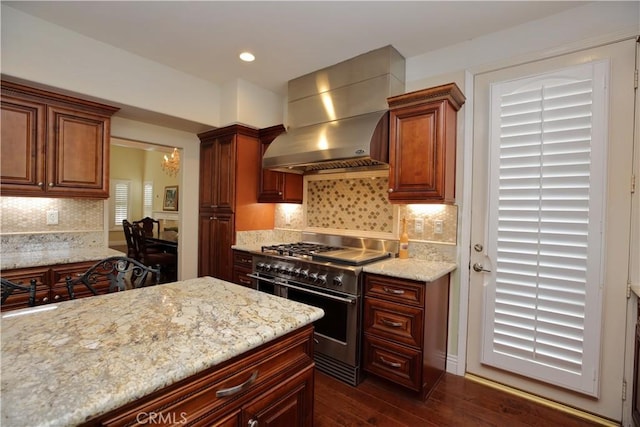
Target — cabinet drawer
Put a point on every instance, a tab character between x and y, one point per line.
206	395
23	276
241	277
396	322
398	290
243	259
394	362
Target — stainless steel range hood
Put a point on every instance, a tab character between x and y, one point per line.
338	117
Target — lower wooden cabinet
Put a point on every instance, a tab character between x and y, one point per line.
405	330
271	386
50	284
242	267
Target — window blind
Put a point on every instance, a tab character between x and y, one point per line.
545	215
121	202
148	199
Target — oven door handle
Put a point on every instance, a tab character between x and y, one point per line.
329	296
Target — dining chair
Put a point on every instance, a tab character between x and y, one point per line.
150	226
167	262
9	287
121	273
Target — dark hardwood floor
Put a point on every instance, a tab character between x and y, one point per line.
456	401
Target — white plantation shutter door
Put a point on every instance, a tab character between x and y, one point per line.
544	300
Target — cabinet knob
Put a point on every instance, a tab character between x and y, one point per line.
41	184
56	298
279	193
51	184
390	190
45	299
210	218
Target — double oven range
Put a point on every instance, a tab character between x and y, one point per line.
324	271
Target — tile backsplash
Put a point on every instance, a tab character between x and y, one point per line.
23	225
358	204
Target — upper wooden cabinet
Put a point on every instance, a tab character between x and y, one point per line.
422	146
53	145
277	187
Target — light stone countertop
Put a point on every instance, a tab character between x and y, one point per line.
12	260
411	268
88	356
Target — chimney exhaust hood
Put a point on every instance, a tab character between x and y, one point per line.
338	116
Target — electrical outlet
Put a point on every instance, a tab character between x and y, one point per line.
418	226
437	226
52	217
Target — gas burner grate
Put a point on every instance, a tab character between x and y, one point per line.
299	249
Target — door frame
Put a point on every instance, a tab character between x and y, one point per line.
465	160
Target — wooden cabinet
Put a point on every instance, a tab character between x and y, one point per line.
405	330
242	267
53	145
269	386
216	233
422	145
277	187
229	166
50	283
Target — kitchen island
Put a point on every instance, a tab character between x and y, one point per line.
68	363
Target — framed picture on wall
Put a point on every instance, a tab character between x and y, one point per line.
170	198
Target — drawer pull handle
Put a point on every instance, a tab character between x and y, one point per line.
393	291
392	364
237	388
390	323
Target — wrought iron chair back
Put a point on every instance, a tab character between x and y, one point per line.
120	272
8	287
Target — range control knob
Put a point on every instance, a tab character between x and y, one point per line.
297	271
289	270
305	273
314	275
267	267
322	278
337	280
260	266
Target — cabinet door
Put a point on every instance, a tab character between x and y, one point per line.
24	276
225	173
22	149
216	233
77	153
290	404
207	174
417	153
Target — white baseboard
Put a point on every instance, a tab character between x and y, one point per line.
452	364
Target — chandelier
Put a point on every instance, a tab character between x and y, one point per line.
171	165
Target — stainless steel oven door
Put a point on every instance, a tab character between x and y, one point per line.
336	334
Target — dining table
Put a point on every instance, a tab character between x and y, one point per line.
166	240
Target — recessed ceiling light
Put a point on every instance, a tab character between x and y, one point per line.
247	56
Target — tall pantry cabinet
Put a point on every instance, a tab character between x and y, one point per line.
230	164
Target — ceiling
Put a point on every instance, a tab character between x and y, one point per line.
289	39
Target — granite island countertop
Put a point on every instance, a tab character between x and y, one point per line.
66	362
